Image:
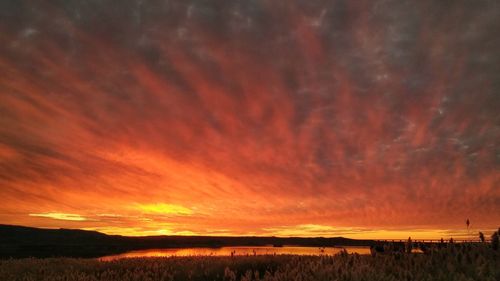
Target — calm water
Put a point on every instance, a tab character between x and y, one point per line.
237	251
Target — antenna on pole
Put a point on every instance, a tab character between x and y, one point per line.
467	222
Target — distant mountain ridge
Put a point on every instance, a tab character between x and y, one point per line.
22	241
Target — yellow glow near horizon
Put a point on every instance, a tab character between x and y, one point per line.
163	208
60	216
143	226
316	230
138	232
418	234
310	230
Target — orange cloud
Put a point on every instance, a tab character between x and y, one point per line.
232	119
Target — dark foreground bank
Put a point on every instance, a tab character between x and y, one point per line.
454	262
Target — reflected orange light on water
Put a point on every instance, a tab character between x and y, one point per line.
237	251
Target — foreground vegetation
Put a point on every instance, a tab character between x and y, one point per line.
452	262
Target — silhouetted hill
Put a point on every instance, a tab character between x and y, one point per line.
20	241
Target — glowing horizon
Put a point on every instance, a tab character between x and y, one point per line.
308	231
362	119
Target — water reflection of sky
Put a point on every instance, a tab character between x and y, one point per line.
238	251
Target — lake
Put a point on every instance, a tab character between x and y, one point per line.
237	251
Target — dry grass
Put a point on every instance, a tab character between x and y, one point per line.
457	263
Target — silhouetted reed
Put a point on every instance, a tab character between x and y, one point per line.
494	240
409	245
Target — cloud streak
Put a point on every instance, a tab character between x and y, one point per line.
234	117
60	216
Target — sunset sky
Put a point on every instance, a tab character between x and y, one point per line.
363	119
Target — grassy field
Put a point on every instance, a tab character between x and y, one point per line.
453	262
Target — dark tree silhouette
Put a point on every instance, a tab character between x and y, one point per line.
481	236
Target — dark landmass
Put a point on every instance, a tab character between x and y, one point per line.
22	242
